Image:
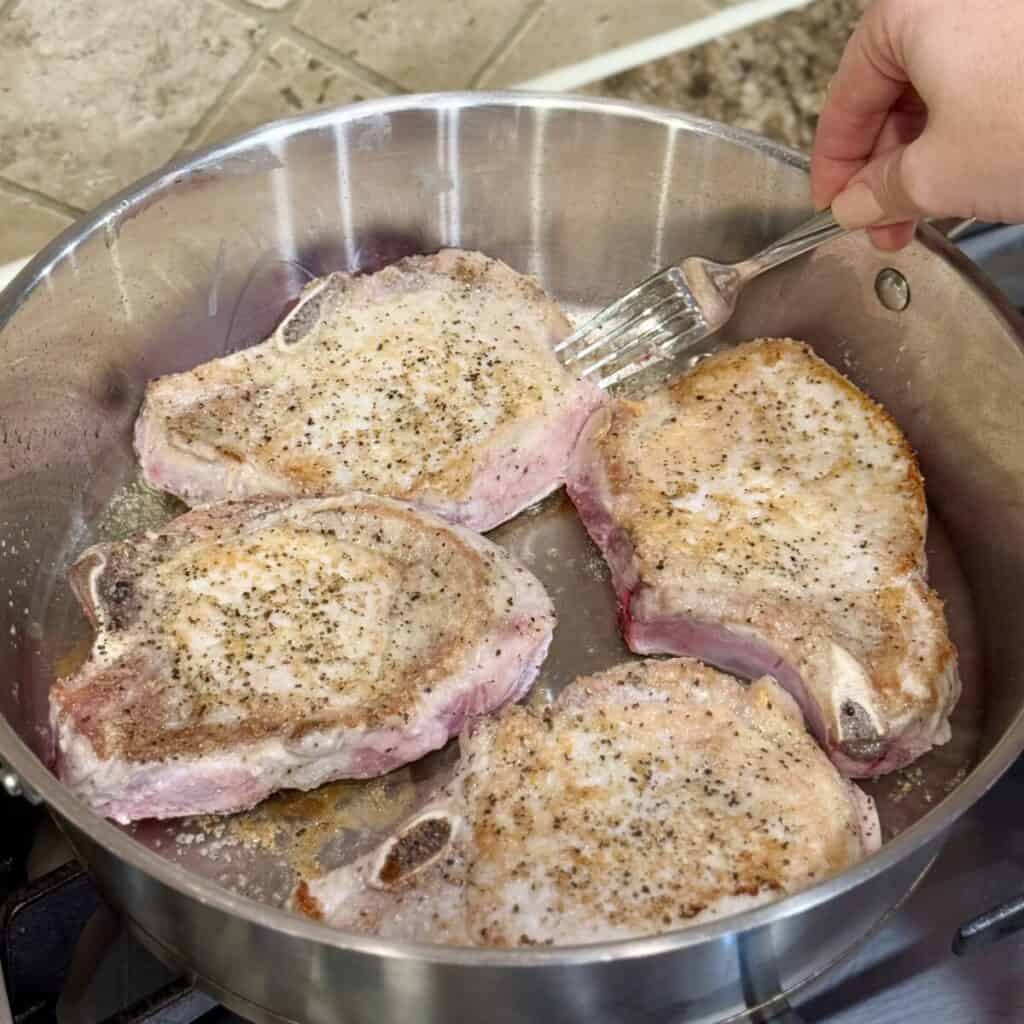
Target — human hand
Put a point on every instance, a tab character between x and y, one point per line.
925	117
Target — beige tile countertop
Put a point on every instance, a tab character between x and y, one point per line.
95	93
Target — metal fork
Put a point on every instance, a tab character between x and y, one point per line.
676	308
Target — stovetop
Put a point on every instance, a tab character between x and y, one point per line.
67	959
908	973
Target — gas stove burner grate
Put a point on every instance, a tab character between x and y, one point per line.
999	251
66	959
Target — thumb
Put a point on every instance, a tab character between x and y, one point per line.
887	191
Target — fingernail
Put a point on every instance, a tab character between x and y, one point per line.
857	207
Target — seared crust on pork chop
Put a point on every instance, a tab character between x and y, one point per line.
648	797
432	380
765	515
250	646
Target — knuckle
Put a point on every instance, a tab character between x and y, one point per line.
893	22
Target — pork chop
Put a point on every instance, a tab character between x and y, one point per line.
432	380
766	516
256	645
652	796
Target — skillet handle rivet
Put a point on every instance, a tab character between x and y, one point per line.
892	290
11	784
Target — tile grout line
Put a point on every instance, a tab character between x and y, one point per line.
281	23
230	90
269	22
34	195
518	30
364	74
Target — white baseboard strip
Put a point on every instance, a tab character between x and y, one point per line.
685	37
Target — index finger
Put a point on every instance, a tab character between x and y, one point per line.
869	82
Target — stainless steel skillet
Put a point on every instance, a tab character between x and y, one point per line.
204	256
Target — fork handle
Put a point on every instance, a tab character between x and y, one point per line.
809	235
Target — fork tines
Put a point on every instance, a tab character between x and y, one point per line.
651	322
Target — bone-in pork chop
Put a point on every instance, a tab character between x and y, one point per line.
649	797
766	516
262	644
432	380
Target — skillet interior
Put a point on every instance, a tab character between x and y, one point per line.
590	198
